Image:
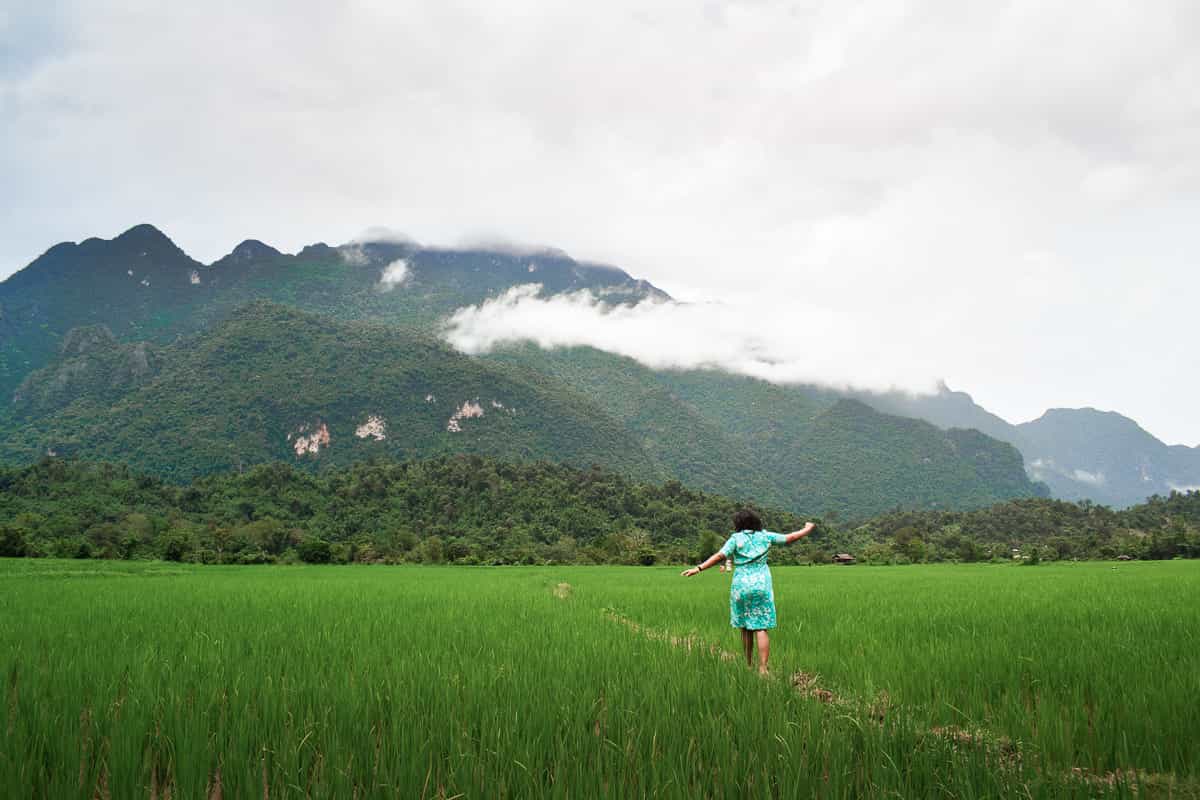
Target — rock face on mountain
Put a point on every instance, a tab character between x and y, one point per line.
92	364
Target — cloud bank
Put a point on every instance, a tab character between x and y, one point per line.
384	234
796	344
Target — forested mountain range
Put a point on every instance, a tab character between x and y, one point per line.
128	348
143	287
272	383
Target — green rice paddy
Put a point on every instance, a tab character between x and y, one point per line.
156	680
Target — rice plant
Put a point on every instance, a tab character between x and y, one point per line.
155	680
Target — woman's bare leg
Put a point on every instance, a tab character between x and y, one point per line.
748	646
764	650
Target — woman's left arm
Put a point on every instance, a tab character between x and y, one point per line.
800	534
713	559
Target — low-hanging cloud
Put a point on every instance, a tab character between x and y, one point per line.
394	274
788	345
507	246
384	234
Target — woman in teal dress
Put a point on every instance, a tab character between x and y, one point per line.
751	596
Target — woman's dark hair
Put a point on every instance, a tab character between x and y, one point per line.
746	520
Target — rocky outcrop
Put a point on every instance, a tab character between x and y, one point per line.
92	363
87	339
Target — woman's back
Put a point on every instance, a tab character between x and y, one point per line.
750	547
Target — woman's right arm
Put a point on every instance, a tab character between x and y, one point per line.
800	534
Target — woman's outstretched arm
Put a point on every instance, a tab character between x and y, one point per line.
713	559
800	534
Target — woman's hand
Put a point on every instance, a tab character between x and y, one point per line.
687	573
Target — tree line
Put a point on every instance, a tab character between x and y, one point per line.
477	510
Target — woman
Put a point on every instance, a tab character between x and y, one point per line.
751	596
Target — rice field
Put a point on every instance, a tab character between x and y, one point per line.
162	680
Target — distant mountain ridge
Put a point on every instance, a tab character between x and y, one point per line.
144	287
1083	453
698	425
1080	453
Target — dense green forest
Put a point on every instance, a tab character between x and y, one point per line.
246	391
470	509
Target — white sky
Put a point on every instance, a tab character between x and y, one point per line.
1004	195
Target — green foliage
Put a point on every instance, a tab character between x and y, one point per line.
852	452
478	510
710	542
1162	527
314	551
790	446
464	509
92	365
246	392
12	541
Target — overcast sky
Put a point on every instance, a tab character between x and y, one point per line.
1003	195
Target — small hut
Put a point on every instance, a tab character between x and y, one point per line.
843	558
1124	557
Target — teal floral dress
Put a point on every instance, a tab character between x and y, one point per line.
751	597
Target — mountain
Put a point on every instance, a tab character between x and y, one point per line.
921	466
165	368
145	288
92	364
796	447
1081	454
271	383
1088	454
945	408
136	285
